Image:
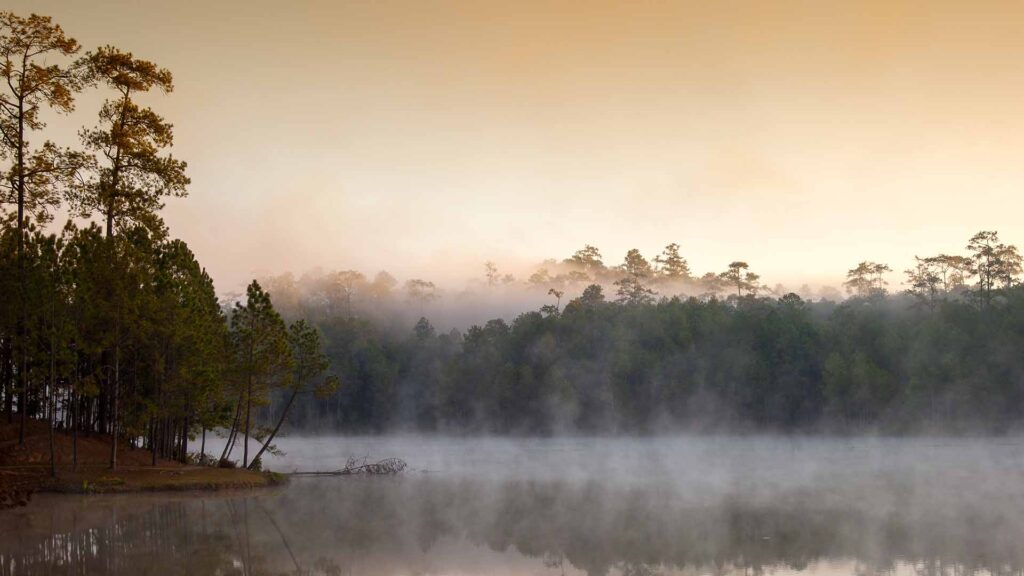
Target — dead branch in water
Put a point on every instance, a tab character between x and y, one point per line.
359	466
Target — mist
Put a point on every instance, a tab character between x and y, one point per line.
458	298
569	506
577	345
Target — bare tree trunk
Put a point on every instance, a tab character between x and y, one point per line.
230	447
166	438
22	280
115	422
22	401
152	439
74	421
234	429
184	436
248	410
184	429
52	401
8	376
284	414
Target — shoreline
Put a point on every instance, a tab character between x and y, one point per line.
19	484
25	469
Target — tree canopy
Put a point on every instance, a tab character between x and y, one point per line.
119	333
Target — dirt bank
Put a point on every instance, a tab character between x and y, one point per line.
25	468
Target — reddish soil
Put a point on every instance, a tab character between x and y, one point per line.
93	450
25	469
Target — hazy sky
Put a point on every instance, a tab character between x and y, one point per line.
427	137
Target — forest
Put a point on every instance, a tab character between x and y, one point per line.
110	325
646	347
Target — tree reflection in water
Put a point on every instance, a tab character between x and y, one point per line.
423	524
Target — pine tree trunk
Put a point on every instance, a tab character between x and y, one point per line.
22	305
114	419
248	410
8	375
184	429
284	414
229	445
74	431
22	404
52	401
184	436
152	439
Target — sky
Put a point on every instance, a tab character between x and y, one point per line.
427	137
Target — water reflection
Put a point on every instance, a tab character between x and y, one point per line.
427	524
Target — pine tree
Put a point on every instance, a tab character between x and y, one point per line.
632	287
128	176
308	364
262	357
32	83
671	265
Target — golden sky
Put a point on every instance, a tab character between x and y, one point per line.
427	137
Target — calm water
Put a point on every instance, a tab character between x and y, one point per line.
564	506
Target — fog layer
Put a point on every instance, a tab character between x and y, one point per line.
573	506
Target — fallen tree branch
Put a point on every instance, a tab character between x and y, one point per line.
359	466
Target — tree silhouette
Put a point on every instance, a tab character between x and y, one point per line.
262	356
127	176
672	266
867	279
739	276
632	287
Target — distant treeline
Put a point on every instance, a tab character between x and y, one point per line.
945	355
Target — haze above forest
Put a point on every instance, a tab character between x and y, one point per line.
427	139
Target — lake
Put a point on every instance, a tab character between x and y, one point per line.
630	506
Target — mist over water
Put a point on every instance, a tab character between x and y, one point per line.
694	505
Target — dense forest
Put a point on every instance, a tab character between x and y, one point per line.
633	353
110	325
116	328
